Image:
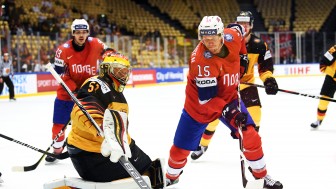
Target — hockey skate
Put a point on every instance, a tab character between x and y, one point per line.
50	159
199	152
316	124
172	179
270	183
171	182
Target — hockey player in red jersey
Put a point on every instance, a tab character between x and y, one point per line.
211	93
258	54
76	60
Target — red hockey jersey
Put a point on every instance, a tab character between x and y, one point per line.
78	66
213	81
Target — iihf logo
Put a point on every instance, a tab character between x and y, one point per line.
207	54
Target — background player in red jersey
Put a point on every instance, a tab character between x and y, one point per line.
258	53
77	59
211	93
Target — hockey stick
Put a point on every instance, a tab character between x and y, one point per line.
293	92
34	166
123	161
60	156
256	184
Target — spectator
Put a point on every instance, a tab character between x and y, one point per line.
24	52
36	8
27	66
38	66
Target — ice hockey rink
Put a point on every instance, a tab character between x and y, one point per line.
299	157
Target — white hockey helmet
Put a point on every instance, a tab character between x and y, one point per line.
210	25
79	24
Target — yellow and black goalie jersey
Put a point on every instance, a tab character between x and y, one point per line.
258	53
96	95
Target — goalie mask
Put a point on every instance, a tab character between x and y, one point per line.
116	67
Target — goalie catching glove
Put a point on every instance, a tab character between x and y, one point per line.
115	143
233	115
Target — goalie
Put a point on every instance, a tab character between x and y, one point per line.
94	157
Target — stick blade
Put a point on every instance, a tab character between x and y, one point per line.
18	168
255	184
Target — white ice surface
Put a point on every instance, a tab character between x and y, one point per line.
297	156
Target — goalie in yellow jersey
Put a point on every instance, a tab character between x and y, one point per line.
95	158
258	53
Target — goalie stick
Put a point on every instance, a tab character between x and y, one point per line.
255	184
123	161
293	92
34	166
60	156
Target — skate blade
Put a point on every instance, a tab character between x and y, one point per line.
255	184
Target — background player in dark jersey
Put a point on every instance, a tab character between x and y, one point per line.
258	53
77	59
211	93
327	66
96	158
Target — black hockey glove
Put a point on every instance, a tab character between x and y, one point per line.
271	86
233	115
243	64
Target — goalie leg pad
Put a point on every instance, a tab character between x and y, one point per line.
95	167
140	160
156	174
73	182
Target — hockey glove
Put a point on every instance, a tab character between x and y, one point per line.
271	86
243	64
115	143
233	115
